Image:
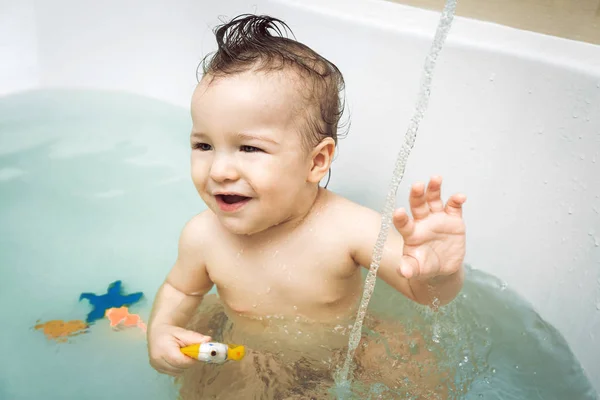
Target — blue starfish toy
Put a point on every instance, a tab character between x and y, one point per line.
112	298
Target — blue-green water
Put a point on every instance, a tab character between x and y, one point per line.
95	187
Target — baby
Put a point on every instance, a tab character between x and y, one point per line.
280	248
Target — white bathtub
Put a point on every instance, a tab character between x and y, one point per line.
514	118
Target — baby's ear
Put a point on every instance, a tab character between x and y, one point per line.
321	158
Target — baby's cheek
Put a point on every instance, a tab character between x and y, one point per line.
199	169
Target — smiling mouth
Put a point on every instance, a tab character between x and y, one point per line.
231	198
231	202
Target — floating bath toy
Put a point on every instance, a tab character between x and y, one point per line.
113	298
120	317
214	353
60	330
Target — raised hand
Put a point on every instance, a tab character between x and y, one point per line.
434	239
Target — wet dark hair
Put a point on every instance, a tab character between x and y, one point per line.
260	42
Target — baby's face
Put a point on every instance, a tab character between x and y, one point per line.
248	163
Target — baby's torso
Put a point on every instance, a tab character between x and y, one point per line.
308	275
301	287
306	272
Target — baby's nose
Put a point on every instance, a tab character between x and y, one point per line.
224	168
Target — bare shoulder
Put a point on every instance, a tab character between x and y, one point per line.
199	230
355	224
197	238
189	273
349	212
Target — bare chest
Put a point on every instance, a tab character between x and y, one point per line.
314	282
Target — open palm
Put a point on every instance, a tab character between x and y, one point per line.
434	239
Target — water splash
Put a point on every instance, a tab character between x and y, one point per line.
441	33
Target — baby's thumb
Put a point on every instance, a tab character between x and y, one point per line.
191	337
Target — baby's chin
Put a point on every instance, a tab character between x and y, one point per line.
238	226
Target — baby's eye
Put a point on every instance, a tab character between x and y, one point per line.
249	149
202	146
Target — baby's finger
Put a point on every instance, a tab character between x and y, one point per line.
403	223
418	203
171	369
433	195
187	337
454	204
179	360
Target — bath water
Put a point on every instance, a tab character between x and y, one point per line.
95	187
386	216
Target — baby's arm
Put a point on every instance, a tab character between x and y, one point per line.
426	263
177	300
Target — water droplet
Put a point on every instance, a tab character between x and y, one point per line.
436	333
492	77
295	308
493	370
516	366
545	181
254	305
570	211
574	115
598	305
503	286
268	289
582	157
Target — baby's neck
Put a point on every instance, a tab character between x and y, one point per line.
294	221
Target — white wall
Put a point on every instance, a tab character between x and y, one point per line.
514	118
18	46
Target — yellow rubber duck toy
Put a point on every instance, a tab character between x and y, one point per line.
214	353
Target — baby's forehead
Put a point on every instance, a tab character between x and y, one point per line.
285	80
250	98
279	91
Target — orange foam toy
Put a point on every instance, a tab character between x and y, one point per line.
60	330
120	317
